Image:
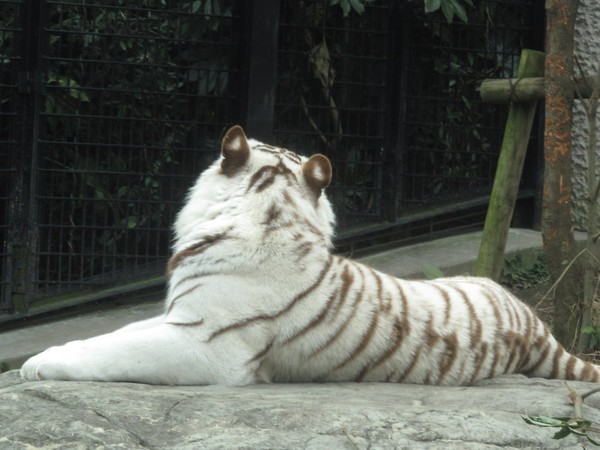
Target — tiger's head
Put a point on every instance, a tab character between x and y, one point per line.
258	186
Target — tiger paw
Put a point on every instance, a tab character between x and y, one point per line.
56	363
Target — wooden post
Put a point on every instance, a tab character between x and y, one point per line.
527	89
508	173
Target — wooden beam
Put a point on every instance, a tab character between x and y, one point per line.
508	173
526	89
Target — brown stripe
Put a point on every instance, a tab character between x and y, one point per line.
272	172
431	336
515	308
273	213
492	301
383	306
261	354
570	370
183	294
289	306
194	250
447	300
353	308
556	362
387	354
196	276
475	328
460	377
478	362
411	366
303	249
515	344
364	341
448	357
496	359
528	322
316	321
404	313
509	313
259	174
542	358
589	373
189	324
347	281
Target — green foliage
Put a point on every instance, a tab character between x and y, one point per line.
594	332
522	272
130	94
450	8
348	5
431	272
447	137
566	426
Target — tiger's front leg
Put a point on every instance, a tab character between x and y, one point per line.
162	354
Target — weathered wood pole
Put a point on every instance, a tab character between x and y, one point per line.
506	90
508	173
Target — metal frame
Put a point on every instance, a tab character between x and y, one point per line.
104	129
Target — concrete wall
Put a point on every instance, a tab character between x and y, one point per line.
587	50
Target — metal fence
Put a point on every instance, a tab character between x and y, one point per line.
110	108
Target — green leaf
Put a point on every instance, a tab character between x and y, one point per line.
345	5
358	6
593	441
562	433
431	272
543	421
459	9
432	5
448	10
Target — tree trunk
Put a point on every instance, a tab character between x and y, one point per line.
557	232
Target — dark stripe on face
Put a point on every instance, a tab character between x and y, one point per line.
265	177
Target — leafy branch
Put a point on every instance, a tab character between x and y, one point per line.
577	425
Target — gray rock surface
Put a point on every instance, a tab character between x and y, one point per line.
84	415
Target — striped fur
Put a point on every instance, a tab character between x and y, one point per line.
255	295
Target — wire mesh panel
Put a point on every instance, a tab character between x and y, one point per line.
9	10
450	138
109	109
332	98
137	94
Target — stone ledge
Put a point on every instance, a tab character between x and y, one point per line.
53	414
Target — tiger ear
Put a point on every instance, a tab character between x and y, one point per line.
317	173
235	150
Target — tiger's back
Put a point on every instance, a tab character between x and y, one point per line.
256	295
346	321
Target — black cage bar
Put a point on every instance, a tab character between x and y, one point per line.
110	108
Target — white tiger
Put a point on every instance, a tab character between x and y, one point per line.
255	295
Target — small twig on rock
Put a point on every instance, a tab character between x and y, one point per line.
577	399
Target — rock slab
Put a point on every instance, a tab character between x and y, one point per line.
89	415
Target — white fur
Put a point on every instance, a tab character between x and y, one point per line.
255	295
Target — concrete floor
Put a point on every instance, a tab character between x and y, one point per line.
454	255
